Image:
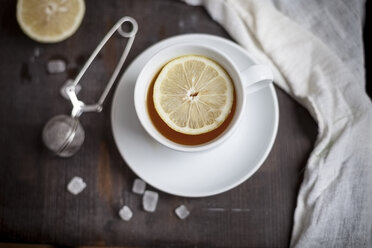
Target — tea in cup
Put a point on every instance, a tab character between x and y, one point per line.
191	97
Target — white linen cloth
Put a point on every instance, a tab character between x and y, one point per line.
315	50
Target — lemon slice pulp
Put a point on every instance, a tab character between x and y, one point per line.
50	20
193	94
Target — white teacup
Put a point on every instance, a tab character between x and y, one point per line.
246	81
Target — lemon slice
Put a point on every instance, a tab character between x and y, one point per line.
50	20
193	94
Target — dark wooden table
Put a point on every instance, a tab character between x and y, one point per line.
34	204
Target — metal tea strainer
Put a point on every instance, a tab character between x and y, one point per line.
64	134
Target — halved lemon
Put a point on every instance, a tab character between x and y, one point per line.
50	20
193	94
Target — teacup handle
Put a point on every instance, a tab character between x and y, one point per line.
257	77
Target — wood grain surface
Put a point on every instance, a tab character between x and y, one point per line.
34	204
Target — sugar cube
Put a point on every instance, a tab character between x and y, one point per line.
138	187
182	212
76	185
150	200
125	213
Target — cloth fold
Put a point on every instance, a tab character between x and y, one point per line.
317	58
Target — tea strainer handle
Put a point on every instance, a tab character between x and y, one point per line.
80	107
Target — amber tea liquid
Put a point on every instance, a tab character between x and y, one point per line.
180	138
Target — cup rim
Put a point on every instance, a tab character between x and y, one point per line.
165	141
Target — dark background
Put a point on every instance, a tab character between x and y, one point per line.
34	204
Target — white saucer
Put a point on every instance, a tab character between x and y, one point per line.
195	174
